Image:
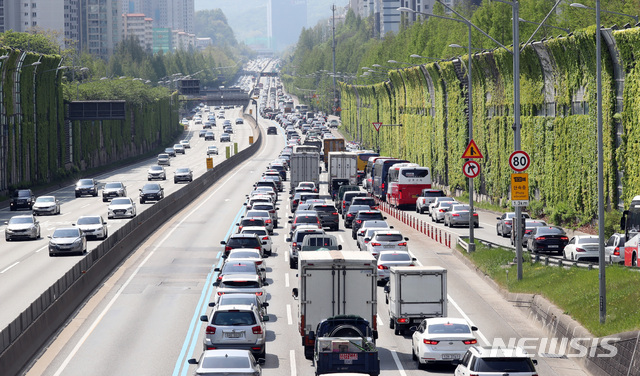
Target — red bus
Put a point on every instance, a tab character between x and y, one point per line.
406	181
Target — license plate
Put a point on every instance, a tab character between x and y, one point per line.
388	246
414	196
348	356
450	356
553	246
234	334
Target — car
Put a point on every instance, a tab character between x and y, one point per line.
529	224
259	197
170	152
121	207
302	196
264	215
435	203
184	121
179	148
364	215
441	339
547	239
328	215
351	213
164	159
271	208
386	240
333	123
86	187
263	233
182	174
185	144
387	259
113	189
242	241
614	249
46	205
202	133
236	327
151	192
251	222
227	129
225	137
226	123
212	149
248	254
427	196
366	225
582	247
275	177
266	190
459	215
324	242
22	199
441	208
296	240
347	199
242	283
156	172
362	200
304	218
272	130
209	136
208	124
92	226
235	298
22	227
228	362
486	361
505	223
67	240
308	184
239	121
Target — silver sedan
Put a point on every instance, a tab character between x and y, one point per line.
458	215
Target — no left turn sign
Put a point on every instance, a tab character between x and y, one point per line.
519	161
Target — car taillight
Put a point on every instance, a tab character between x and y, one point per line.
265	238
258	248
376	244
540	238
227	248
441	210
403	244
259	262
257	329
220	277
211	329
259	293
616	252
382	186
430	342
475	214
528	231
272	211
382	267
507	222
268	221
455	215
343	204
359	221
470	342
334	213
580	249
349	215
564	238
294	244
402	320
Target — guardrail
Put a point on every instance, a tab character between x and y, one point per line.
25	336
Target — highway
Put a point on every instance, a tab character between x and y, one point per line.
145	318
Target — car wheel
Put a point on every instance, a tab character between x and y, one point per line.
392	323
106	235
634	260
141	201
148	179
414	356
7	238
397	331
498	231
108	217
476	225
95	194
164	178
292	264
58	211
564	254
77	195
175	181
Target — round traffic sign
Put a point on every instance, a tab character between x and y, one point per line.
471	169
519	161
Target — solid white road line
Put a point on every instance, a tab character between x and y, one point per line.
289	317
10	266
292	362
286	279
341	238
42	249
398	363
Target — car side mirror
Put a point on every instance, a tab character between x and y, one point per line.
216	269
262	361
498	218
265	304
455	362
535	362
367	239
406	239
413	328
49	236
474	328
223	242
288	240
294	293
339	247
264	242
212	304
140	189
73	224
414	259
204	318
263	269
290	221
384	217
192	361
390	226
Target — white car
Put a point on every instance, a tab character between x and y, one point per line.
441	339
440	209
179	148
263	233
582	247
122	207
366	225
46	205
248	254
164	159
487	361
185	144
387	259
614	249
386	240
212	149
436	201
92	226
156	172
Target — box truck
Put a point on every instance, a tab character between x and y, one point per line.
304	166
343	170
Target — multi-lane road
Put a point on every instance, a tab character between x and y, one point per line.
145	318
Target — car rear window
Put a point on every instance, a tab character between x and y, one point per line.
324	208
243	242
448	328
245	284
395	257
302	234
363	201
253	222
433	194
233	318
389	237
550	231
370	216
306	219
501	365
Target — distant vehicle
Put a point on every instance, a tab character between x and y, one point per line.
333	123
86	187
93	226
122	207
614	249
212	149
179	148
405	182
459	215
22	227
170	151
151	192
113	189
185	144
182	174
547	239
239	121
202	133
67	240
22	199
272	130
427	196
209	136
505	223
163	159
156	172
46	205
582	247
225	137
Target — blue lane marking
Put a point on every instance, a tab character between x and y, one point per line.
201	308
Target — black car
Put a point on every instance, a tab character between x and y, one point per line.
151	192
22	199
243	241
272	130
87	187
350	214
328	215
365	215
547	239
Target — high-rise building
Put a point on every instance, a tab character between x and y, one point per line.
100	26
172	14
286	18
139	26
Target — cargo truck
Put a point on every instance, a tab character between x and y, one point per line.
414	294
332	144
334	283
304	166
343	170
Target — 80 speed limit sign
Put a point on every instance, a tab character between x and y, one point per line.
519	161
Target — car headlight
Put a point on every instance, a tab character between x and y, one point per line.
77	242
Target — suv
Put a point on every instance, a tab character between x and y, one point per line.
296	241
113	189
427	196
243	241
505	223
22	198
272	130
236	327
347	200
320	243
86	187
364	215
328	215
488	361
151	192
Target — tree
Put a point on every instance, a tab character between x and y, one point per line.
41	42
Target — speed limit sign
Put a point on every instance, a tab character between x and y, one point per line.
519	161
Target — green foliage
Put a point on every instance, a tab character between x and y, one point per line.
212	23
39	42
612	222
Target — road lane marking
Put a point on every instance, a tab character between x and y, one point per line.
341	238
84	206
42	249
286	279
398	363
292	362
289	317
380	322
9	267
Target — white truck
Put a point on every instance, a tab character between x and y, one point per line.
343	169
304	166
415	293
332	283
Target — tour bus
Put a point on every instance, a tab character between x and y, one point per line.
406	181
380	169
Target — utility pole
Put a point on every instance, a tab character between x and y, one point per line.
333	48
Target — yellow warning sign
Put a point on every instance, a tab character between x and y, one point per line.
209	163
520	187
472	151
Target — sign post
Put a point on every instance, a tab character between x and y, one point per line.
471	169
519	162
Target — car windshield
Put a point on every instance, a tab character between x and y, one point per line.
252	222
89	221
46	199
363	201
257	213
389	237
306	219
66	233
113	185
120	201
163	156
219	362
460	207
449	328
155	168
151	187
23	194
257	232
85	182
233	318
356	208
369	216
182	170
20	220
234	299
263	207
501	365
433	194
395	257
242	284
550	231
